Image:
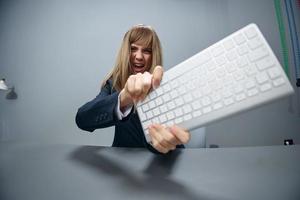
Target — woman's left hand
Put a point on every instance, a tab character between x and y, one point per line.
165	139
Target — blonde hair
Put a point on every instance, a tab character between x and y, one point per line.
144	35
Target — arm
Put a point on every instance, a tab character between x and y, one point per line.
100	112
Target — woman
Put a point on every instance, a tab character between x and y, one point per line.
136	72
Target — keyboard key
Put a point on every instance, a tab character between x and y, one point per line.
170	123
278	82
142	116
215	85
152	95
221	60
241	62
196	105
211	65
151	104
174	94
238	75
228	44
217	51
158	101
230	67
211	77
232	55
155	120
178	112
170	115
250	83
163	108
215	97
166	97
166	88
238	89
162	118
255	43
205	101
258	54
228	80
159	91
178	120
274	73
181	90
179	101
187	117
197	113
206	90
149	114
250	70
145	107
221	72
252	92
147	123
265	87
217	105
240	97
228	101
171	105
156	111
262	77
242	50
207	110
265	63
239	39
251	33
197	94
227	93
187	109
188	98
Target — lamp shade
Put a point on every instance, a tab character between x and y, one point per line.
3	85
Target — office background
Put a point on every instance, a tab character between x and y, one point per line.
56	53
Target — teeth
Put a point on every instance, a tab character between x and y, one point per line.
139	65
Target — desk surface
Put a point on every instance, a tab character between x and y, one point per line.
42	172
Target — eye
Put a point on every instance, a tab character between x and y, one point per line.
147	51
133	48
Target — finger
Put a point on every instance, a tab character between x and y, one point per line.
130	85
157	76
182	135
147	78
167	134
158	138
155	142
160	135
138	86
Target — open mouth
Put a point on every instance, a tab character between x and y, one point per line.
138	67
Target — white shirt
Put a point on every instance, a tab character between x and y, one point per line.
121	114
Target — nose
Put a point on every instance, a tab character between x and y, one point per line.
139	55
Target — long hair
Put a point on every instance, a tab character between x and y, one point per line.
144	35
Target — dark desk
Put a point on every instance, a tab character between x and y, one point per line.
42	172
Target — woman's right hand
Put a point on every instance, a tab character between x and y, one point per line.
138	86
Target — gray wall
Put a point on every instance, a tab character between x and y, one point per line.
57	52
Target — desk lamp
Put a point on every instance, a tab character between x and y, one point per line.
11	90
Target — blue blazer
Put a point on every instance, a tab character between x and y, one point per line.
100	113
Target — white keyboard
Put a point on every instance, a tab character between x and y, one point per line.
235	74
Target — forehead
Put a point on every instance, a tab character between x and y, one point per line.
139	45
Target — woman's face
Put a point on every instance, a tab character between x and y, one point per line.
140	58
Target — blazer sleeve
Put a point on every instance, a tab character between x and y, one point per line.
100	112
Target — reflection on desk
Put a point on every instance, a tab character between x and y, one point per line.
42	172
